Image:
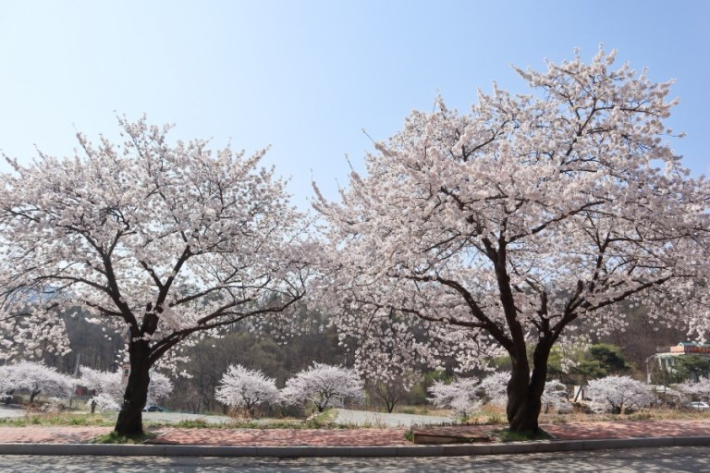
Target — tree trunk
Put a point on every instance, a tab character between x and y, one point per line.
130	419
525	391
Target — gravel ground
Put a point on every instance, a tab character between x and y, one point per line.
9	412
343	416
175	417
347	416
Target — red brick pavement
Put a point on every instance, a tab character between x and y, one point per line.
630	429
345	437
283	437
51	434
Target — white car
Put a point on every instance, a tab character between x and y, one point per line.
699	406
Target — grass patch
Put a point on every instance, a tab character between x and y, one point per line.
495	419
61	419
114	437
192	424
421	411
507	435
643	415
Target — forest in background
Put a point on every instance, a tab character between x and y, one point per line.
281	358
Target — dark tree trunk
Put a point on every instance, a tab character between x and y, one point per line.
525	390
33	395
130	419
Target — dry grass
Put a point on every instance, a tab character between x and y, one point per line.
642	415
58	419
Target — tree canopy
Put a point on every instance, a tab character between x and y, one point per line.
159	240
506	226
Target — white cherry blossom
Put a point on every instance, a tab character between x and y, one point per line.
324	386
486	233
167	242
244	388
617	394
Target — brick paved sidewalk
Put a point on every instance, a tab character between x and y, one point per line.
283	437
349	437
51	434
630	429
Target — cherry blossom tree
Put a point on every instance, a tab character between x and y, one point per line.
244	388
36	379
108	384
617	394
104	403
555	397
168	242
459	395
102	382
490	232
494	388
7	380
159	388
391	390
699	388
24	333
324	386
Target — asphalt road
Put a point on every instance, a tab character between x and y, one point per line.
675	459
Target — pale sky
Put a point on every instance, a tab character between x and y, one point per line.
307	76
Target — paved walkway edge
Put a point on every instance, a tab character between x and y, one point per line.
386	451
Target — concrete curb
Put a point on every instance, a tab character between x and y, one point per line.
543	446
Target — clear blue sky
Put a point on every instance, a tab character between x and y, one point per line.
307	76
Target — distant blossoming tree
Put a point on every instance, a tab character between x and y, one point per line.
494	388
324	386
617	394
497	231
554	396
103	403
160	387
168	243
700	388
102	382
390	391
108	384
36	379
459	395
247	389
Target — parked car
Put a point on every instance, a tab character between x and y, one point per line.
699	406
153	408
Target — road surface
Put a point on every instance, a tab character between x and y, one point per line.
675	459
